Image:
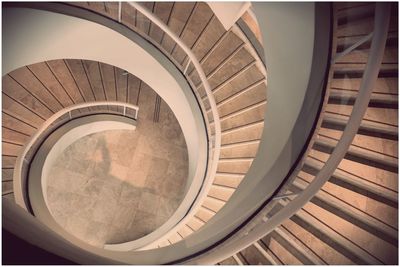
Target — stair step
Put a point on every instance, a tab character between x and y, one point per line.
248	73
341	6
343	97
244	110
243	149
13	136
7	187
345	42
349	213
243	79
204	214
312	241
255	255
241	92
249	95
24	82
299	250
175	238
223	49
163	12
358	154
228	261
7	174
185	231
11	149
20	112
350	71
8	162
362	25
250	132
234	166
17	124
213	204
208	40
228	179
354	183
360	55
333	238
194	27
280	251
252	116
386	85
368	128
195	223
225	61
220	192
264	251
358	236
239	260
346	16
177	22
386	116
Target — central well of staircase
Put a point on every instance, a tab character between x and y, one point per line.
117	186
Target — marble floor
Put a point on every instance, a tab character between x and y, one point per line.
119	185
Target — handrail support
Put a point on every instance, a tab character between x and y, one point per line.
285	196
119	11
21	159
369	79
352	47
187	66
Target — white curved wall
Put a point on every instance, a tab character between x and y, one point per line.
288	30
32	36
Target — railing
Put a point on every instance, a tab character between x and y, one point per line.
60	117
295	201
189	67
214	132
214	138
292	202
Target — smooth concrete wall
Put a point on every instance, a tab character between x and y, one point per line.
31	36
288	34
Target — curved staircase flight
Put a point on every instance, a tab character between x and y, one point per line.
237	78
353	219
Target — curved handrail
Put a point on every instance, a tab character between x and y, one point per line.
365	90
204	154
369	78
214	140
18	170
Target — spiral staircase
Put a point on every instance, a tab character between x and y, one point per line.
353	216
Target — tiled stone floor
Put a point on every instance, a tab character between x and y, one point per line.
117	186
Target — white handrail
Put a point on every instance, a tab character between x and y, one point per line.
211	172
369	79
17	175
